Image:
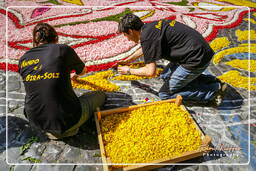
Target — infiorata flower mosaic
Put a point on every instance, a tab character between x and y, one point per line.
143	135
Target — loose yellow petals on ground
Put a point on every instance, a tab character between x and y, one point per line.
244	35
240	49
219	43
243	64
149	133
96	82
235	79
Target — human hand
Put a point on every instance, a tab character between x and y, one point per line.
73	76
123	69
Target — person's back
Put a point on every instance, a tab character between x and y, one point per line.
50	101
177	43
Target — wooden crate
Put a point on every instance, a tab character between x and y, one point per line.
185	156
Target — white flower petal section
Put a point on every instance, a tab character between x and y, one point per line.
189	22
234	19
209	6
141	13
115	58
72	41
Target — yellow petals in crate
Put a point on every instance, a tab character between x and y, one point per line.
149	133
135	77
97	81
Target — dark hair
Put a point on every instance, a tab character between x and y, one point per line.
44	33
129	21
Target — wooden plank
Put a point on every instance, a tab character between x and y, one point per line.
178	100
102	149
124	109
184	157
98	114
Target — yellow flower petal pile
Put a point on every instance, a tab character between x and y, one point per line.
235	79
149	133
243	64
135	77
219	43
244	35
97	81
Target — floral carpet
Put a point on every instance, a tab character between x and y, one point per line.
90	27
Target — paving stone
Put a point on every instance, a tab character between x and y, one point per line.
2	82
2	94
3	109
71	155
202	168
14	155
13	84
2	139
4	166
44	168
52	152
19	111
94	156
16	95
32	152
64	168
88	168
22	168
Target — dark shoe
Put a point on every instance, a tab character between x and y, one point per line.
217	100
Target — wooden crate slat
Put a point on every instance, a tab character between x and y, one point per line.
102	149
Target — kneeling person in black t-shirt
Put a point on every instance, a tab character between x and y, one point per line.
50	102
189	55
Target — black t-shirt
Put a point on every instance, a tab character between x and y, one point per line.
176	42
50	101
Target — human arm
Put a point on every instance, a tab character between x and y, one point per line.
73	62
147	70
74	76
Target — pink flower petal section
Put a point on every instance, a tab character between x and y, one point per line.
105	49
2	36
91	29
66	15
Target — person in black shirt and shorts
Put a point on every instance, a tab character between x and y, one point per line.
50	102
186	50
